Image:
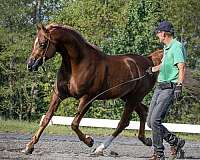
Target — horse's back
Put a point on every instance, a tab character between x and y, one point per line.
119	69
126	60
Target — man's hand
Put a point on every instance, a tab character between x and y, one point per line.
149	71
178	92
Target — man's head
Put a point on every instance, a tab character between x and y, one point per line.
164	29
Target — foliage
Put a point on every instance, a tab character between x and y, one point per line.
95	20
137	34
185	111
21	93
187	25
118	27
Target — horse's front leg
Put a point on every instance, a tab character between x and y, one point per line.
82	109
55	101
123	123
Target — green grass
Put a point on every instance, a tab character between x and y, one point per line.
31	127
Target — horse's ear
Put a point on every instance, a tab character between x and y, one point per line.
38	27
41	27
44	29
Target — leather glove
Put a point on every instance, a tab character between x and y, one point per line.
149	71
178	92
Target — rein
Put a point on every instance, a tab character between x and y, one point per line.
132	80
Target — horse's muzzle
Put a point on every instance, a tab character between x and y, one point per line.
33	65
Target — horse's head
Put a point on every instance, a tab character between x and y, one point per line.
156	57
43	48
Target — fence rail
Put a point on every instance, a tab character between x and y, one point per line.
106	123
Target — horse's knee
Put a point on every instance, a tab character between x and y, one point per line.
124	125
45	120
142	111
74	126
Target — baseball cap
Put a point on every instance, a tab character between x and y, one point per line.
165	26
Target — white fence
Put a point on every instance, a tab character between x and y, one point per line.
106	123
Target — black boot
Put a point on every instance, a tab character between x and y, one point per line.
157	157
176	148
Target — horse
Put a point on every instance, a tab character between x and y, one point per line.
85	73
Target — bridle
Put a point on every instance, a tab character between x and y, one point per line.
45	46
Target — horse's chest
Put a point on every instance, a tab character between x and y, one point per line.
73	86
76	88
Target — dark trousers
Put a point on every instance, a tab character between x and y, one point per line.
161	101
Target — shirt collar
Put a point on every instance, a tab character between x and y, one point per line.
166	47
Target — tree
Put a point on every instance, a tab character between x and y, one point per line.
17	28
94	19
185	16
137	35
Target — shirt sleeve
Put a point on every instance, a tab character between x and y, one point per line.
179	55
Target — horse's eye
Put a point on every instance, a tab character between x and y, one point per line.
43	45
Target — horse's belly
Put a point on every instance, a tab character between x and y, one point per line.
115	93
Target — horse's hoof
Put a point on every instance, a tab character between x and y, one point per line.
28	150
96	153
89	141
114	154
148	142
180	154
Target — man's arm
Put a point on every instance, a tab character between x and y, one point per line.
181	76
156	68
152	70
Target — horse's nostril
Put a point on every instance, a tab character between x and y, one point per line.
30	64
29	68
33	64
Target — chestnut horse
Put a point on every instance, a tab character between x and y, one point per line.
85	73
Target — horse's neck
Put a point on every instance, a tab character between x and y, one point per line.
66	61
73	43
74	51
66	64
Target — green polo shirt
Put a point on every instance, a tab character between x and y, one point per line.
174	53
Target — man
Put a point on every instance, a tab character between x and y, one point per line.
169	88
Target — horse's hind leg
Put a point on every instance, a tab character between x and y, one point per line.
124	122
82	109
142	111
55	101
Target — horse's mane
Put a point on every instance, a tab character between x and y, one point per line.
155	56
73	31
